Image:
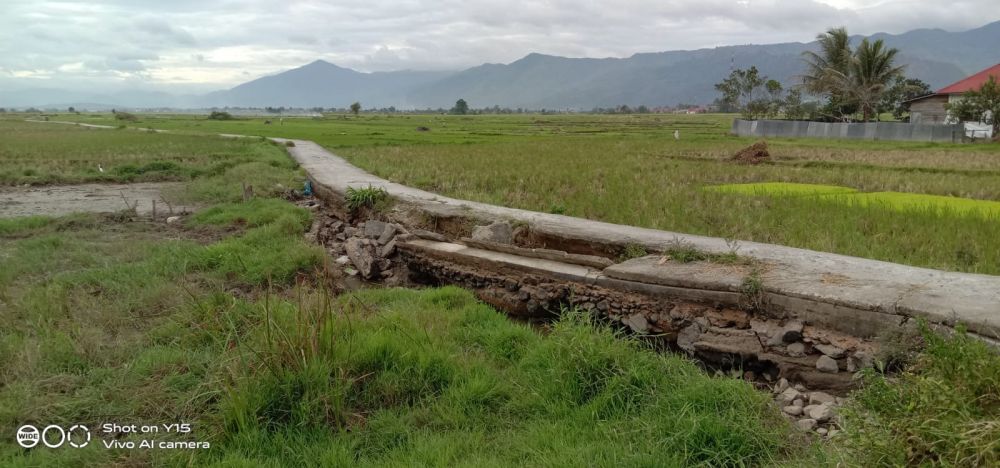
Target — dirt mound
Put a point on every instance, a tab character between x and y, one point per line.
753	154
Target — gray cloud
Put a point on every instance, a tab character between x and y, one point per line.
215	43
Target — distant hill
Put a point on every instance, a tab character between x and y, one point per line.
323	84
544	81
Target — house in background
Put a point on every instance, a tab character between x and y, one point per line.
931	109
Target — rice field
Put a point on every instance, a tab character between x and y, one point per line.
908	202
629	169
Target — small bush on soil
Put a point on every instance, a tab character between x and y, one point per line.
369	197
632	251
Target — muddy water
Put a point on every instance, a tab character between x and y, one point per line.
59	200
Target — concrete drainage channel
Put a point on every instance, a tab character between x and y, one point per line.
796	322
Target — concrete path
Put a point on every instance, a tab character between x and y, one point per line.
822	286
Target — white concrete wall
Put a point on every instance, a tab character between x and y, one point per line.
976	130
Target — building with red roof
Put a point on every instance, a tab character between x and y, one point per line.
931	109
973	82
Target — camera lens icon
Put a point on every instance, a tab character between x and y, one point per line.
78	436
53	436
28	436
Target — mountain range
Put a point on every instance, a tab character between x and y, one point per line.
543	81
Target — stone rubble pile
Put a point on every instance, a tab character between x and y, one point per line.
817	357
366	249
809	411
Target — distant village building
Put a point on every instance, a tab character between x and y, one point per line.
932	109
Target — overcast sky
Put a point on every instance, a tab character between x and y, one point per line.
197	45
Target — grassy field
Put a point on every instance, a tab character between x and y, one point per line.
630	170
223	322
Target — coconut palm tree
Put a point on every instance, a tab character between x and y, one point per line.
871	70
834	55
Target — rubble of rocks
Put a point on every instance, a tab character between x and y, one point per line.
809	411
366	249
787	348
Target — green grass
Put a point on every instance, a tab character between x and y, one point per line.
40	153
106	320
436	378
256	212
389	378
633	183
943	411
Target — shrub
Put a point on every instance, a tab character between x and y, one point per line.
369	197
126	116
632	251
219	115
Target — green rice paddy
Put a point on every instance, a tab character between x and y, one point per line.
900	201
782	189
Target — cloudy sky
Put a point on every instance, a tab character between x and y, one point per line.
199	45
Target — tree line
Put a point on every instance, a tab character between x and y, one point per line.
858	84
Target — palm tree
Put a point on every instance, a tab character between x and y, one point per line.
834	56
870	72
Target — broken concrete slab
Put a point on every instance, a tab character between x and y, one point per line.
480	257
362	255
374	228
694	275
498	232
548	254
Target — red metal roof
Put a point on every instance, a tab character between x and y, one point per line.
973	82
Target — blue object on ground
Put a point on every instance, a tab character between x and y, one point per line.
308	189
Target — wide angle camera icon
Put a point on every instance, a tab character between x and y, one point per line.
53	436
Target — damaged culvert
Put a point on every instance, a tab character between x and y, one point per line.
808	367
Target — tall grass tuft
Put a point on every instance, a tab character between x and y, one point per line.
944	410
